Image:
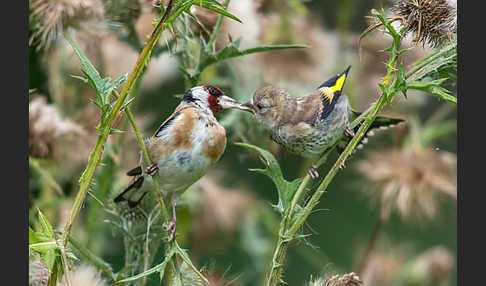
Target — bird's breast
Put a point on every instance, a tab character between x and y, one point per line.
187	156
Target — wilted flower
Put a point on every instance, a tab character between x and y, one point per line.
411	178
433	21
84	275
47	128
52	17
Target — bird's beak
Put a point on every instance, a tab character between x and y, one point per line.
228	102
249	106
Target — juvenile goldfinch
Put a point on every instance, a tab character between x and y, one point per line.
310	125
183	148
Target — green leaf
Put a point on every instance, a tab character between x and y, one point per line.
285	189
232	50
121	79
103	86
434	88
158	268
83	79
116	131
46	226
49	258
126	103
88	68
209	5
185	257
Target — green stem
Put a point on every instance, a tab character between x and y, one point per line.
97	152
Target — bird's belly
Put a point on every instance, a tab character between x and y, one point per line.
180	169
311	143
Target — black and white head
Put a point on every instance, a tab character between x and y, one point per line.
210	97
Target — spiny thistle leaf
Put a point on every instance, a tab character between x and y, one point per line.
434	88
232	50
103	86
158	268
285	189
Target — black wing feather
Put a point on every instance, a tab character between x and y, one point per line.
380	122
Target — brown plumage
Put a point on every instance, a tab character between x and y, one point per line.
310	125
186	145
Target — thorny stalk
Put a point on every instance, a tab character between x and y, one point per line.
97	152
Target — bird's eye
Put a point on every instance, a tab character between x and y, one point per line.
214	91
259	106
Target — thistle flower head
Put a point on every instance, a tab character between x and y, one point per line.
349	279
52	17
410	179
47	128
433	21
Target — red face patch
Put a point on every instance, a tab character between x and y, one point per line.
213	104
214	93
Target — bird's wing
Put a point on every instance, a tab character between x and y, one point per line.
330	91
170	120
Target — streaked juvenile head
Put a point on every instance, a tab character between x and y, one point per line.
210	97
268	104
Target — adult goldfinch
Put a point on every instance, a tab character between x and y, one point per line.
184	147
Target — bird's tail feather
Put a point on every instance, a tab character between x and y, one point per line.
380	123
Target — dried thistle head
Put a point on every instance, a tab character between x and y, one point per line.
349	279
410	179
47	129
433	21
52	17
84	275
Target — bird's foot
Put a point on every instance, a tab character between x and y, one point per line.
312	171
172	227
152	169
348	131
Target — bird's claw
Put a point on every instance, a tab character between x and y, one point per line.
312	171
171	229
152	169
348	131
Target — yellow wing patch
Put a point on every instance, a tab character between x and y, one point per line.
327	92
339	83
